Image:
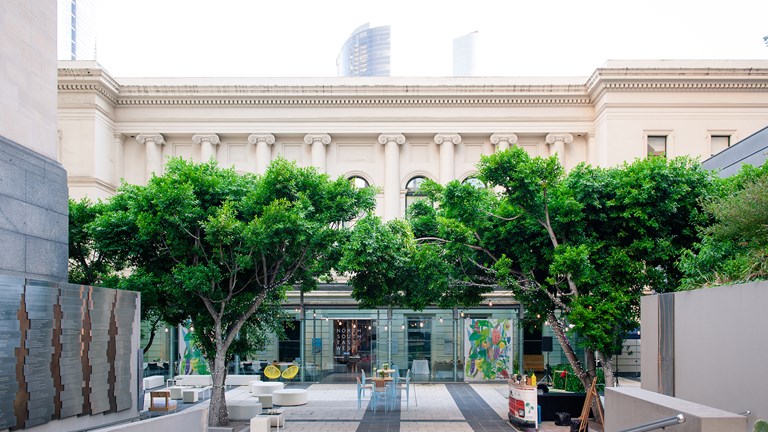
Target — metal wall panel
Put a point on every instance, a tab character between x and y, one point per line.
64	330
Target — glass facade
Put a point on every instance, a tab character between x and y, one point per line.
365	53
335	343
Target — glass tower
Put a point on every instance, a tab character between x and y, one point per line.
365	53
76	29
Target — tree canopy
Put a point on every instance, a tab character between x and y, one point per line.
577	250
734	248
220	248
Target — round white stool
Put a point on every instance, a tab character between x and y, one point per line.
265	387
290	397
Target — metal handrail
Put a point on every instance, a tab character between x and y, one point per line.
658	424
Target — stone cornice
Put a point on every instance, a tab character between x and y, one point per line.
312	138
211	138
453	138
396	138
88	79
255	138
488	92
675	79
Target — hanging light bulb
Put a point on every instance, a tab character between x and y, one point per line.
166	329
385	328
441	319
462	314
402	327
369	327
490	303
354	325
421	324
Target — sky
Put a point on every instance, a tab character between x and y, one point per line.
302	38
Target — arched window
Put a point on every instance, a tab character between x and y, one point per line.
359	182
474	181
413	190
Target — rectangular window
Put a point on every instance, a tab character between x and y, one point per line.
720	143
657	145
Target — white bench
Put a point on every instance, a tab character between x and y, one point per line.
192	395
154	381
260	424
243	407
241	380
290	397
194	380
265	399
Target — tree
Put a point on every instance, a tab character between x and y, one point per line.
222	248
735	247
87	265
577	250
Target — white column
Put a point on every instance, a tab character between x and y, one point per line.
447	158
318	143
591	148
208	143
503	141
557	144
263	154
153	158
118	156
392	143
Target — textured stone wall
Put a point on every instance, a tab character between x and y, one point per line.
33	214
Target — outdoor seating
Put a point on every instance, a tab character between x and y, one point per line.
407	387
383	393
290	397
365	385
359	393
160	401
290	373
272	372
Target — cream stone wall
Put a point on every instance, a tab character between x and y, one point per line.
28	74
388	130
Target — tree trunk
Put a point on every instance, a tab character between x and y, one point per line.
557	328
217	411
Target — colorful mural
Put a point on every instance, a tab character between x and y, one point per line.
192	360
488	349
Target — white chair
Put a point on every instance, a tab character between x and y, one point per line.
359	393
364	384
383	392
407	387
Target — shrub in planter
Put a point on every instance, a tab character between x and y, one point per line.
563	378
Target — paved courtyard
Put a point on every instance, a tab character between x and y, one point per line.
448	407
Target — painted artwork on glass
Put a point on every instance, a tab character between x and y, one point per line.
487	349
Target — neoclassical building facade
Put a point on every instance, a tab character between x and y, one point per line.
391	132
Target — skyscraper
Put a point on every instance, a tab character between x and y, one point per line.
465	55
76	31
365	53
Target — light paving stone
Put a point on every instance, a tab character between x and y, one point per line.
434	427
434	403
496	396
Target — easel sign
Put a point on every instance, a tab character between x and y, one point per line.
523	405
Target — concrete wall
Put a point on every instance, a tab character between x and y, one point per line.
719	350
33	185
191	419
627	407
